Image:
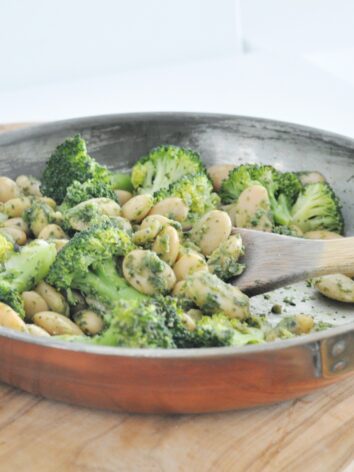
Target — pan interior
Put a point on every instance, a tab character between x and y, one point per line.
119	140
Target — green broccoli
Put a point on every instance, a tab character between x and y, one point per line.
69	162
150	323
238	179
223	262
88	263
163	166
79	192
219	330
197	193
171	311
23	270
136	324
318	208
39	215
90	212
282	188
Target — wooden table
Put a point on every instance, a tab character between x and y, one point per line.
313	434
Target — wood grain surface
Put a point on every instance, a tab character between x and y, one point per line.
313	434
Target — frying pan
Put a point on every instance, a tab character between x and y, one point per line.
188	380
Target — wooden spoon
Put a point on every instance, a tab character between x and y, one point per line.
274	260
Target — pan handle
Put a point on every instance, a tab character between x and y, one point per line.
337	354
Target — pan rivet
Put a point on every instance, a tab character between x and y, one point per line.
338	348
340	365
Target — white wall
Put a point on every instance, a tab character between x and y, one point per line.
54	40
299	26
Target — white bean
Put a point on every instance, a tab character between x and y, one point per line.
166	245
89	321
137	208
304	324
48	201
147	273
10	319
195	314
8	189
162	219
123	196
189	322
218	173
18	223
15	234
35	330
16	206
188	264
211	230
33	303
179	288
148	232
252	209
212	295
336	286
106	205
28	185
173	208
52	231
60	243
53	298
55	323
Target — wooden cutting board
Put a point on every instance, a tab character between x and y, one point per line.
314	434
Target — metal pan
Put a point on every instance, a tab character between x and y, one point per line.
194	380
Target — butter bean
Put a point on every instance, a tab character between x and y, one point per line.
211	230
137	208
173	208
55	323
147	273
8	189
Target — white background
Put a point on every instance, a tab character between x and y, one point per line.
66	58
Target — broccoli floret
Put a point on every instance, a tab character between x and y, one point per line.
89	213
171	311
238	179
282	188
69	162
318	208
23	270
88	263
219	330
287	231
163	166
289	187
6	248
79	192
197	193
223	262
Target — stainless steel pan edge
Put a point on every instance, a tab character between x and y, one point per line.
269	373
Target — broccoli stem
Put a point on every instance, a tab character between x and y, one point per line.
281	211
106	285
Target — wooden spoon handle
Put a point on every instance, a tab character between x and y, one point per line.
337	256
273	261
